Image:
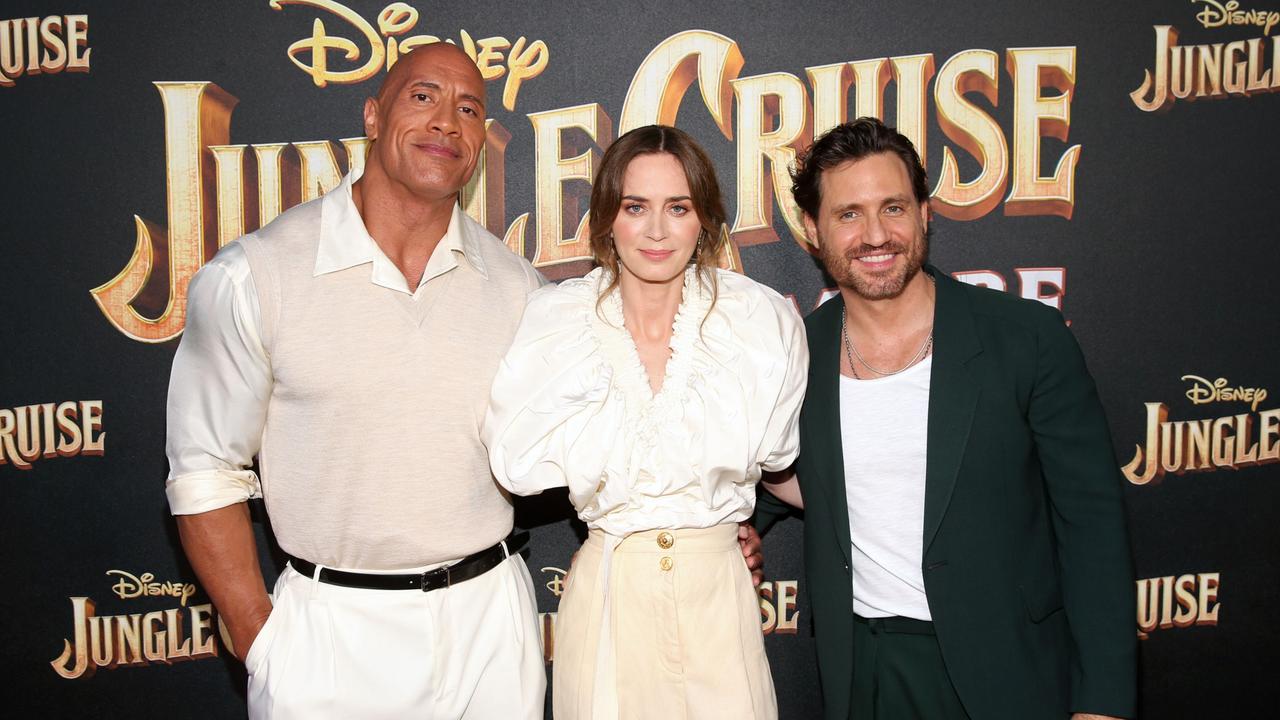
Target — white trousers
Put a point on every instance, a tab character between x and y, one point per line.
471	651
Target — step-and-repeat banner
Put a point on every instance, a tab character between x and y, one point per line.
1115	160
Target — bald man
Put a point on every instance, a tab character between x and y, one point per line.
349	345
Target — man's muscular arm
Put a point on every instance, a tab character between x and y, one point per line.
220	545
218	396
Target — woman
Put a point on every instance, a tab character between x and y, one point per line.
657	388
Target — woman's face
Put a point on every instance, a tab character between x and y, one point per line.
656	230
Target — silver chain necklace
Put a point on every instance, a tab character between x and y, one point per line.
850	352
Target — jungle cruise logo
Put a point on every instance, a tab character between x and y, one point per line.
1228	441
165	636
1213	70
217	189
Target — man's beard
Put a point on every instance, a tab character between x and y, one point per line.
878	286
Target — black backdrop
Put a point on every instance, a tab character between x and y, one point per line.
1161	253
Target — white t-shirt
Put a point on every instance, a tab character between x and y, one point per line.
884	423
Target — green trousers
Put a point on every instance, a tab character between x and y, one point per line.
898	673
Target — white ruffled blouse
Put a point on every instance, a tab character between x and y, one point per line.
571	404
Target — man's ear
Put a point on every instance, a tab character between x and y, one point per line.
810	229
371	118
926	215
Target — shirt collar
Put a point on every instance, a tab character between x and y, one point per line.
346	243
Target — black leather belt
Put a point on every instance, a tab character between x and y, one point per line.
469	567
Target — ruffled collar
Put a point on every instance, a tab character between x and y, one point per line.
620	348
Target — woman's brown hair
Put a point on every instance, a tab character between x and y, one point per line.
704	194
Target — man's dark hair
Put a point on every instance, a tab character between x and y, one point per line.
852	141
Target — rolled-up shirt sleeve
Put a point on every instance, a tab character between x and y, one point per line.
218	390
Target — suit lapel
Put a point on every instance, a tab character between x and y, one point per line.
823	410
953	396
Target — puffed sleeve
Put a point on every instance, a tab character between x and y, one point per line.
544	426
781	442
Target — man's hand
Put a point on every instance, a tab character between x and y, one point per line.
219	543
245	632
749	540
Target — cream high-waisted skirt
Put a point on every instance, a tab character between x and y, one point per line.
683	639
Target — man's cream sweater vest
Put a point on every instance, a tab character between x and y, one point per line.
371	456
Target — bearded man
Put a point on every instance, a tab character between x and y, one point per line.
965	541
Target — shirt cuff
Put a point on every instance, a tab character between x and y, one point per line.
207	490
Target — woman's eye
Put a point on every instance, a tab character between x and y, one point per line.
679	209
634	209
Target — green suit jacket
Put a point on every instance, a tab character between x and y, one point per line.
1026	560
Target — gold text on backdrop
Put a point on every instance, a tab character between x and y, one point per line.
1216	14
131	586
1220	390
34	45
495	56
1213	70
1229	441
1044	284
778	613
165	635
217	191
1177	602
109	641
49	430
547	620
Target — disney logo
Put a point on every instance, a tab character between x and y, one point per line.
494	56
131	586
556	583
1216	14
1206	391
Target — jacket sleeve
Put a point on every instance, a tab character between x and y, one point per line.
1085	491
